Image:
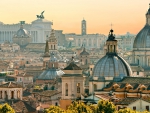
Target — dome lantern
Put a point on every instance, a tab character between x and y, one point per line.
111	44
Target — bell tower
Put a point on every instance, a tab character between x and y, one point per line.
52	42
83	27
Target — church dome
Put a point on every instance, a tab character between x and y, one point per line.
111	66
22	32
142	39
50	74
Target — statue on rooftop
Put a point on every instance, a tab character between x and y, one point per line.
40	16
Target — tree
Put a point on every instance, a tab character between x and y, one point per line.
5	108
79	107
105	107
54	109
126	110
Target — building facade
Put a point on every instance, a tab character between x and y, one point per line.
39	29
88	40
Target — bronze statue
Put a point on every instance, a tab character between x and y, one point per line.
40	16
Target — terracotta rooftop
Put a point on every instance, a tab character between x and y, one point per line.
49	93
139	80
10	85
127	101
21	106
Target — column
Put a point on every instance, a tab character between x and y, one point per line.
9	94
20	94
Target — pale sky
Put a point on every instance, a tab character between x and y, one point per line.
125	15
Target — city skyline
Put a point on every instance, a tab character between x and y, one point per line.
126	16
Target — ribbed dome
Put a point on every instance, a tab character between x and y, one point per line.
51	74
142	39
22	32
111	66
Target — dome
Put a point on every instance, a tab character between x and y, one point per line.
143	37
41	21
50	74
111	66
22	32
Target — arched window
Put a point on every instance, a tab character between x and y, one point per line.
86	61
51	46
6	96
66	89
56	104
138	61
110	48
95	87
78	87
53	65
18	94
54	46
12	94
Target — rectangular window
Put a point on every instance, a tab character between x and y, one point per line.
147	108
134	107
66	92
137	72
119	108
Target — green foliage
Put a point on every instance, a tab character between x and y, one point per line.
128	110
105	107
79	107
54	109
5	108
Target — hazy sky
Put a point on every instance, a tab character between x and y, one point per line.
125	15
